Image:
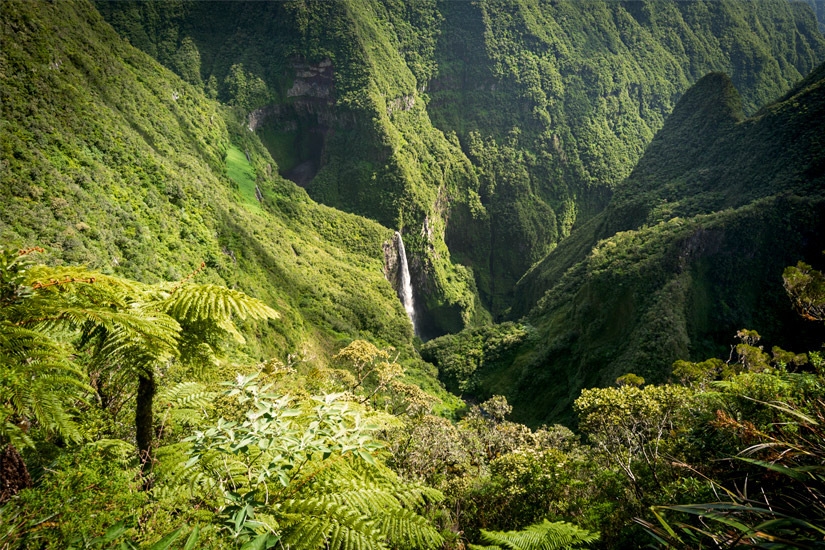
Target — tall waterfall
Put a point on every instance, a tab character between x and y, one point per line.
405	290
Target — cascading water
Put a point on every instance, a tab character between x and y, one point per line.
405	290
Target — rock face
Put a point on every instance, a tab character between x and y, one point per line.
304	122
261	115
403	103
391	264
313	80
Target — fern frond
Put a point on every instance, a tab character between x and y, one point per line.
185	402
192	303
72	278
375	492
36	374
186	395
317	523
541	536
405	526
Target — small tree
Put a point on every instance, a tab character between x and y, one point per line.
630	425
806	288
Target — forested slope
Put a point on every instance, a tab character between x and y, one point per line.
112	161
690	250
488	133
330	93
483	130
587	84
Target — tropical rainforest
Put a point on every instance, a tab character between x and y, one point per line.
424	274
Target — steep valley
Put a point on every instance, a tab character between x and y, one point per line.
410	274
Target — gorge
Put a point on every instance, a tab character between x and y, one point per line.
612	218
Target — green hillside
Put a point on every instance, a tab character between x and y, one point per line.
614	216
587	84
690	250
111	161
485	131
331	94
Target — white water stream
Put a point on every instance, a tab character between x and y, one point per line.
405	290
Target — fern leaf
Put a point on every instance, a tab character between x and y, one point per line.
541	536
192	303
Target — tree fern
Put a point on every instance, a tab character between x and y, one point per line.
541	536
126	326
192	304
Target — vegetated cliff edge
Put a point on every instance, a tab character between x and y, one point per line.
691	249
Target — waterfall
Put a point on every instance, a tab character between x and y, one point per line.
405	290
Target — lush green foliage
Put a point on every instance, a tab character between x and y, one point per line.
542	536
691	248
463	358
122	166
111	386
538	109
274	473
283	473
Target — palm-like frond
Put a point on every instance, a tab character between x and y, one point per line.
312	523
541	536
128	327
363	498
37	374
185	402
192	303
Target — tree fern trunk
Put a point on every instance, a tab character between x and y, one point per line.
144	420
14	476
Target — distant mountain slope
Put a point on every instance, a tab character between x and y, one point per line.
819	9
587	84
485	130
111	160
690	250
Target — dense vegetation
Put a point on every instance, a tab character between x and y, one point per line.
691	248
125	168
194	353
269	462
493	127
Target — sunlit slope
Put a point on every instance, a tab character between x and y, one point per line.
338	95
112	161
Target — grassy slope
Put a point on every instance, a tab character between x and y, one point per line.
691	249
112	161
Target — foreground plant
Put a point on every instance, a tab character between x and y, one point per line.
49	315
779	504
302	475
541	536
